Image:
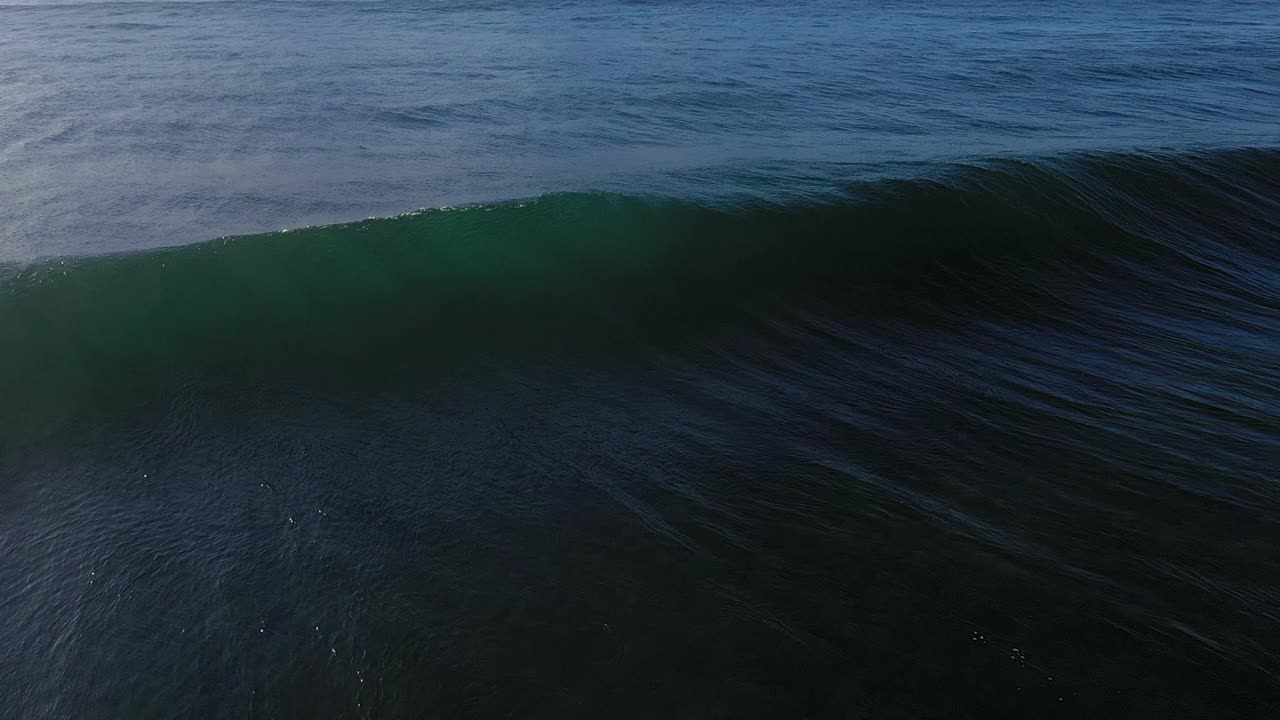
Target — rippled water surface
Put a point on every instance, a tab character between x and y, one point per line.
128	125
808	359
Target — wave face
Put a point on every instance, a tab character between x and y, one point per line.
1019	416
594	268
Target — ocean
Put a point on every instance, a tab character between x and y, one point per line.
603	358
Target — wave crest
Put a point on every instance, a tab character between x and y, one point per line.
91	331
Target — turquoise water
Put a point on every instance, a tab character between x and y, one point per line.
639	359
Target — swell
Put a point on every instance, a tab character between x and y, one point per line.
388	295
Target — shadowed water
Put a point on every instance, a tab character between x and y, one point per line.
886	360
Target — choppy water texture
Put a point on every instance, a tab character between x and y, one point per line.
885	360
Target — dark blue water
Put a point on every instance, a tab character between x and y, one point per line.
639	359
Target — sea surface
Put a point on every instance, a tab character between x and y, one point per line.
687	359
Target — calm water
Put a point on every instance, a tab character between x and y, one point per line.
129	125
754	359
